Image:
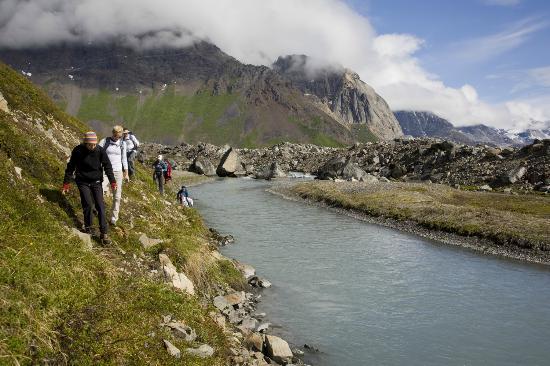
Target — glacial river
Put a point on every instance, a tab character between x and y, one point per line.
364	294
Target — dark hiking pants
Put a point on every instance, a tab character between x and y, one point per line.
159	180
91	194
131	157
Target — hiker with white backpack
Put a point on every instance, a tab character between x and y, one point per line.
115	148
132	145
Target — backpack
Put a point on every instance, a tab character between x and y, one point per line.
168	172
159	167
134	140
109	141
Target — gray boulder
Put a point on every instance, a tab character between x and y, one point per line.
332	168
352	171
203	351
273	171
230	164
172	350
202	165
512	176
397	171
278	349
183	331
369	178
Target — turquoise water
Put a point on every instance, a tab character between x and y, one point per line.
368	295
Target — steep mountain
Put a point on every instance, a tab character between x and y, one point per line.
196	94
342	94
427	124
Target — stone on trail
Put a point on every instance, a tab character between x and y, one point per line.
178	280
278	349
203	351
86	238
183	331
147	242
18	171
172	350
4	104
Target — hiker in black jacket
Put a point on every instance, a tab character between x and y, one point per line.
88	161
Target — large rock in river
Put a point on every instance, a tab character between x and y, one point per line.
230	163
202	165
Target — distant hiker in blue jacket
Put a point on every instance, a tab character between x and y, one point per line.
159	168
183	197
88	162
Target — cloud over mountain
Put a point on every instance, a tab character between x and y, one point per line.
258	32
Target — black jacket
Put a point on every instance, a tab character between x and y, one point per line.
89	165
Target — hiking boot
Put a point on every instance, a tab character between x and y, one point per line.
105	240
89	230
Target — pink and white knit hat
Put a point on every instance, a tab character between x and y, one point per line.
90	137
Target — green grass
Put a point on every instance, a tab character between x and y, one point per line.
521	221
363	134
63	303
167	115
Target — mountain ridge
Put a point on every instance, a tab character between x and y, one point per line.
428	124
194	94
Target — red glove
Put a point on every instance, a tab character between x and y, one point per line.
113	186
65	188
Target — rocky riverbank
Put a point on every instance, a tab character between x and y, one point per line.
525	169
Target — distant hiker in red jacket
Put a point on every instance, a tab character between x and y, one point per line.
87	163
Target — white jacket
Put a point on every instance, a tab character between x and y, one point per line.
116	151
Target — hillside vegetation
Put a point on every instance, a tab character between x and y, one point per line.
65	302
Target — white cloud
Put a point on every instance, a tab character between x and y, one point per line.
488	47
258	32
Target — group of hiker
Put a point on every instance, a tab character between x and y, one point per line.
100	168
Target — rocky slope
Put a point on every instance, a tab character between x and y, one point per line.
199	94
343	93
160	294
429	160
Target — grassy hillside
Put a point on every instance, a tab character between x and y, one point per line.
171	117
66	303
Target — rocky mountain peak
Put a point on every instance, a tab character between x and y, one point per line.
342	92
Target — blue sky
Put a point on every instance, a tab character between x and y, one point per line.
501	47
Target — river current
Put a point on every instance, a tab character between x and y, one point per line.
364	294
